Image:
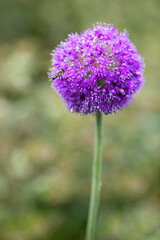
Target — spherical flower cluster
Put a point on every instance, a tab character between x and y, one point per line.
96	71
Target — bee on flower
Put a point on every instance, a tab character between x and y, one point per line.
58	74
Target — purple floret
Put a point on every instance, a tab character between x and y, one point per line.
102	70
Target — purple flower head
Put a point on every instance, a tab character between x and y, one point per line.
96	71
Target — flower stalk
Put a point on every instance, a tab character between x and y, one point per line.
96	181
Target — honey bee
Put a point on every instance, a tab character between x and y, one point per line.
58	74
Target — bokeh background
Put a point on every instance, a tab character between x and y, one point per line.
46	152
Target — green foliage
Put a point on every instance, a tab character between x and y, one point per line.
46	152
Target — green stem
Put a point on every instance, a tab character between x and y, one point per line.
96	181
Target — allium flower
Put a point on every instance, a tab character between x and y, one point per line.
101	70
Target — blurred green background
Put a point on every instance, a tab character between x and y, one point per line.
46	152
